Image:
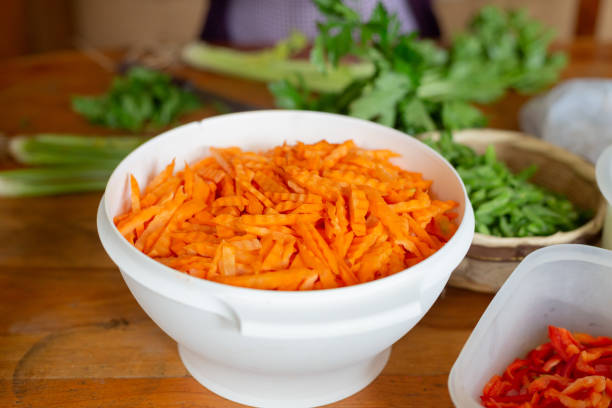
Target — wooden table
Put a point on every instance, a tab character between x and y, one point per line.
71	334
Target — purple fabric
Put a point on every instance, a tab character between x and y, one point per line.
425	17
264	22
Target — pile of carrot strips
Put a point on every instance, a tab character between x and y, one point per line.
295	217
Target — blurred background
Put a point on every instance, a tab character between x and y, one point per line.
35	26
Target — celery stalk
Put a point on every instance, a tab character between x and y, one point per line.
274	64
70	163
53	180
58	149
19	189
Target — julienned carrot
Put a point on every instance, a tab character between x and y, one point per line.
292	218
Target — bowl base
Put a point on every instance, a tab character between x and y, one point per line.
297	391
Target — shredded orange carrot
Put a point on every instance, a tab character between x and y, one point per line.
300	217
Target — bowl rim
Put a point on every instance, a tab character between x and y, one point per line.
169	274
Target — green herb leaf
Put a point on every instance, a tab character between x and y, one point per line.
461	115
143	97
414	116
379	102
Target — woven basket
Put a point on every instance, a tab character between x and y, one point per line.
490	259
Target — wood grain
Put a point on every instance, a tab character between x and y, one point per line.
51	232
71	334
91	363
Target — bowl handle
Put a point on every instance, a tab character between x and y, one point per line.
391	312
136	272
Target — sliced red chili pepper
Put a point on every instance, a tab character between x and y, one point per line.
564	343
535	398
516	366
513	398
568	368
594	382
496	387
499	404
565	400
603	360
590	341
604	402
583	363
594	398
541	354
548	402
603	370
551	363
591	355
602	351
547	381
567	372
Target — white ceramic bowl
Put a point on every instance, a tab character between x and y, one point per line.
282	349
566	285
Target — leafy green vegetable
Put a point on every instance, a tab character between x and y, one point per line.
414	116
506	204
378	101
460	115
142	98
415	85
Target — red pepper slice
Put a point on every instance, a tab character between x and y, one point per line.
595	382
590	341
570	371
568	368
564	343
496	387
541	354
513	398
583	363
547	381
551	363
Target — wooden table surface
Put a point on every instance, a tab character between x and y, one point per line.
72	335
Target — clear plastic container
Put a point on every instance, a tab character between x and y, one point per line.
568	286
603	172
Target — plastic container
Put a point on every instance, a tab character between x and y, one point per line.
568	286
282	349
603	172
